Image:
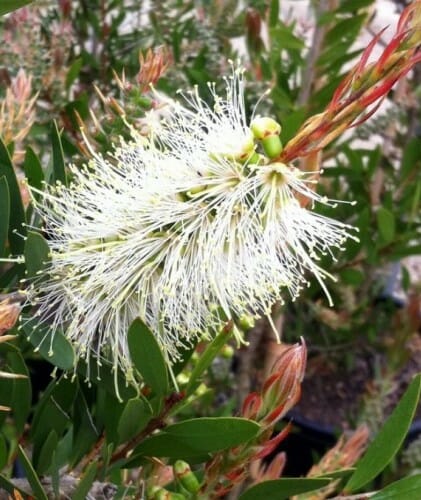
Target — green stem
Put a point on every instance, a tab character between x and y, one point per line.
208	356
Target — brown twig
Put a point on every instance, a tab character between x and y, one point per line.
313	54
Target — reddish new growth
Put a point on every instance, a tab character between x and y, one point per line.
362	91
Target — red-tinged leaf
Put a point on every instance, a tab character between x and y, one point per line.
369	114
388	51
406	13
251	405
367	52
272	444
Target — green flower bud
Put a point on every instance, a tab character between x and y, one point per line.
186	477
264	126
267	131
272	146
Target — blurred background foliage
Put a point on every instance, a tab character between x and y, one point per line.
90	62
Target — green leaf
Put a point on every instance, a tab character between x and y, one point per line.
389	439
279	489
109	410
408	488
85	434
8	486
53	346
36	253
63	451
10	5
15	393
198	436
4	213
338	474
285	39
184	353
17	213
273	13
47	452
411	157
53	412
135	416
4	455
386	224
345	29
147	357
407	250
351	277
33	169
291	123
353	5
73	71
22	391
82	489
105	376
59	169
31	475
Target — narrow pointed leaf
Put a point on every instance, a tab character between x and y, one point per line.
4	213
18	392
408	488
53	346
82	489
33	169
388	440
17	213
11	5
147	357
134	418
31	475
4	453
386	224
59	169
280	489
47	452
36	253
198	436
7	485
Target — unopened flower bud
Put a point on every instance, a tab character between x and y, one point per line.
186	477
267	131
282	389
9	314
264	126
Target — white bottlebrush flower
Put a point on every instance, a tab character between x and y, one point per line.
176	230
